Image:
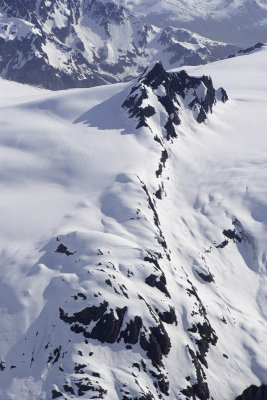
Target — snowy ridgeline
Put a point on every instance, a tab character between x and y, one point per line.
133	251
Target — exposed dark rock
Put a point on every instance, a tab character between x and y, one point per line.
221	95
158	193
164	385
254	393
159	282
231	234
157	345
248	50
199	389
82	296
85	385
223	244
78	369
163	159
146	396
207	278
192	291
56	354
143	365
152	206
85	316
56	394
63	250
68	389
132	331
107	328
169	317
153	260
207	337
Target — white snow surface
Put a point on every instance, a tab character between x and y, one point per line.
71	165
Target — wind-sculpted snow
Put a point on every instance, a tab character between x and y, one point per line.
61	44
133	263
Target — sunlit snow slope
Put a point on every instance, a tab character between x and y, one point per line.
133	239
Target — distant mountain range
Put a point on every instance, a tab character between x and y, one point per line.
64	43
237	21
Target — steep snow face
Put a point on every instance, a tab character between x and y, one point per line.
65	43
133	261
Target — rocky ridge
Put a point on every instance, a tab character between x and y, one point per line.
152	282
125	304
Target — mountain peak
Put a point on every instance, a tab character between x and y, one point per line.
157	91
154	75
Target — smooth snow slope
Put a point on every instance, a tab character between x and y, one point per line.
69	167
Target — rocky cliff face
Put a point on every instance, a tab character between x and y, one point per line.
66	43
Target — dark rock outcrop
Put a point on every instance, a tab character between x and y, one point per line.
156	345
254	393
171	91
107	327
132	331
248	50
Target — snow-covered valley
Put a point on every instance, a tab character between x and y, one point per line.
133	262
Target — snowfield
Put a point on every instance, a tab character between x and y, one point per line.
165	237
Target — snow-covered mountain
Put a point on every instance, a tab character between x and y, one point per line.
133	237
235	21
63	43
